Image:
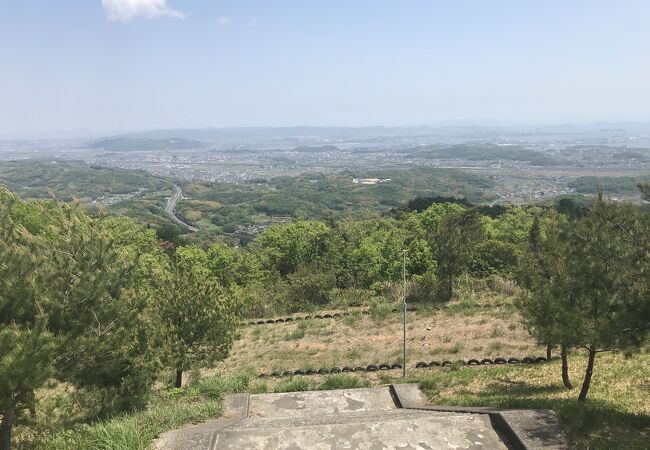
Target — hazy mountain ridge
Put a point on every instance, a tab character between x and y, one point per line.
125	144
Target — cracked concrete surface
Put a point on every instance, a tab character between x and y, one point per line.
341	419
394	429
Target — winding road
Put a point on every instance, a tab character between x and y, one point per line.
171	205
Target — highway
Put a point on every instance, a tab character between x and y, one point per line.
171	205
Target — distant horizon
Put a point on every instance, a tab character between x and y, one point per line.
90	133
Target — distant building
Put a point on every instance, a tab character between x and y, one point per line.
369	180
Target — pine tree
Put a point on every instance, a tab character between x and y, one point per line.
544	304
198	318
453	243
67	310
25	344
608	280
590	287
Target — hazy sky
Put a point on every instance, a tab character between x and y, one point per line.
138	64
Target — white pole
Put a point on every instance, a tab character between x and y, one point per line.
404	297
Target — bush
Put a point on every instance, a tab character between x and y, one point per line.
294	385
216	386
309	286
494	257
298	333
422	289
379	311
352	320
133	432
344	298
341	381
503	286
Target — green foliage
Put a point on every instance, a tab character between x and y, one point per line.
135	431
216	386
308	286
295	384
96	302
423	288
453	239
494	257
589	281
69	309
285	248
197	316
342	381
299	332
608	185
379	311
74	179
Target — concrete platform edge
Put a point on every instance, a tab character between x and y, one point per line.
514	438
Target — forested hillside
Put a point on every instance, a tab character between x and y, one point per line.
94	311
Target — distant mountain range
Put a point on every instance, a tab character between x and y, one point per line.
270	133
299	136
133	144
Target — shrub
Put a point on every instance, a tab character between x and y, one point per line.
298	333
352	320
308	286
343	298
341	381
422	289
294	385
379	311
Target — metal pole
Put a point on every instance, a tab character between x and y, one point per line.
404	297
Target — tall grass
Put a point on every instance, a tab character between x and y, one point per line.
342	381
202	399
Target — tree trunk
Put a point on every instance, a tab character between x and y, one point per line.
565	368
8	419
450	287
548	352
445	288
179	378
590	369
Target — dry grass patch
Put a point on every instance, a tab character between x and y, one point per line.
371	339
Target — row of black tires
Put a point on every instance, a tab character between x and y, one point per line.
295	319
419	365
330	316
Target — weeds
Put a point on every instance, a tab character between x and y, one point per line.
352	320
295	384
458	346
298	333
341	381
496	332
380	311
496	346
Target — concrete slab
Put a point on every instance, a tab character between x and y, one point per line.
407	395
321	402
538	429
373	430
391	417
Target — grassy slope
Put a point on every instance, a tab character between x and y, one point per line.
453	333
615	415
